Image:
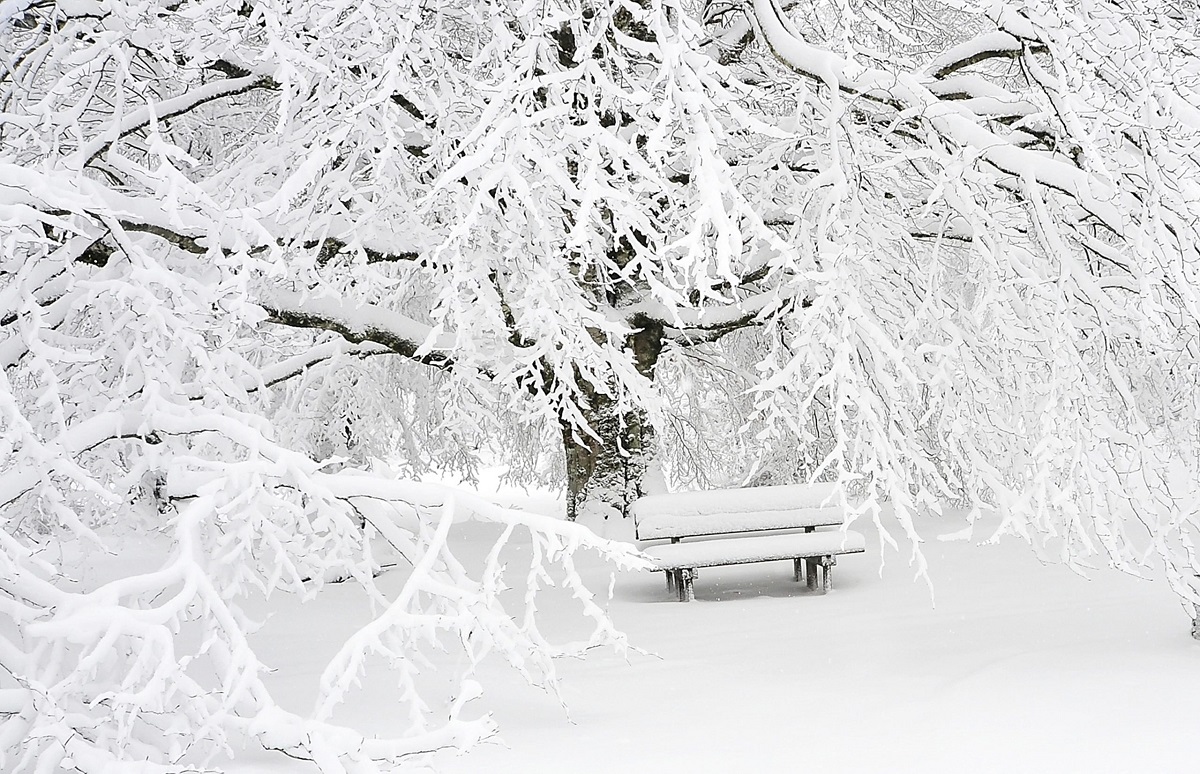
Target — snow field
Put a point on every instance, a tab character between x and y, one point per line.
1020	667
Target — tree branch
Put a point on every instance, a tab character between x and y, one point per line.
906	93
358	324
294	366
169	108
990	45
330	247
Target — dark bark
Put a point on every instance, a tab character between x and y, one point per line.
607	468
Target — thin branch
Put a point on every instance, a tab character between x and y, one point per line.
294	366
175	106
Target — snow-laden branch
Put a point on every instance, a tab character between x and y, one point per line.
294	366
951	121
170	108
716	319
358	323
303	524
192	229
990	45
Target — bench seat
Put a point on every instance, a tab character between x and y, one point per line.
813	555
755	548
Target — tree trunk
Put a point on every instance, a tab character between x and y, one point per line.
606	470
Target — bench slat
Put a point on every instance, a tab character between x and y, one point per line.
758	548
669	526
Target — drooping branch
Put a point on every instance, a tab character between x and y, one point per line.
948	121
79	438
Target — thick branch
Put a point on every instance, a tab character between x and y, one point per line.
990	45
688	337
358	324
331	246
694	326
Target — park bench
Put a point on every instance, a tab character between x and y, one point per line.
740	526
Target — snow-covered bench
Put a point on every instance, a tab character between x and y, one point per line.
723	517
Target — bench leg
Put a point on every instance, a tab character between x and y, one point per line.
670	581
797	570
684	584
827	563
810	571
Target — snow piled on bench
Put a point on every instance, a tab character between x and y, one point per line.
736	510
659	527
761	498
759	548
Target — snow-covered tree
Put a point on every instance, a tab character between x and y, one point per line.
932	250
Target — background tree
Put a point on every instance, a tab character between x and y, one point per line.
931	261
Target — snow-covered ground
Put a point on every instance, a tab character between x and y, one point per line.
1020	667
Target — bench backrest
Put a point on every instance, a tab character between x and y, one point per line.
720	511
